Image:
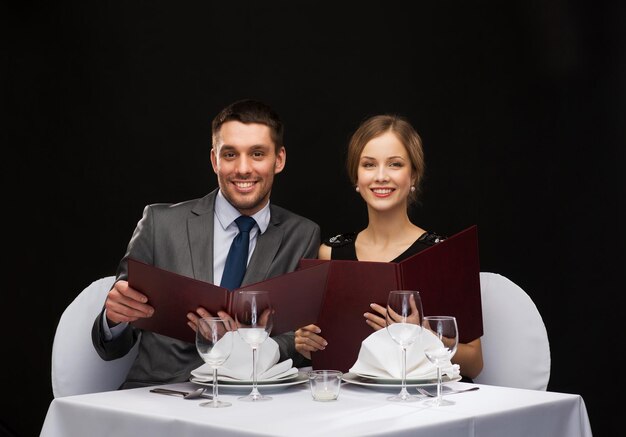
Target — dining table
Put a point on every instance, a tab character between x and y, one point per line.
360	410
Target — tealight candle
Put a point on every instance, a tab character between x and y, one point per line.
325	394
325	384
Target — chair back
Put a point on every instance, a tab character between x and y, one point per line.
76	366
516	350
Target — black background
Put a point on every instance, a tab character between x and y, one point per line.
521	106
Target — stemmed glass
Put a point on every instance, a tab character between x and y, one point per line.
214	343
445	328
254	318
404	324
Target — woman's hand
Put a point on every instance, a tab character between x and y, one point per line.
376	320
307	340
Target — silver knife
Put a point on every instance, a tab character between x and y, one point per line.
199	393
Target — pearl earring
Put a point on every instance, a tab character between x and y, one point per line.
356	189
412	188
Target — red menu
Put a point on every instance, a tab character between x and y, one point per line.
332	294
447	276
296	298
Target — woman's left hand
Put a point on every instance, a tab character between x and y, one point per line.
376	320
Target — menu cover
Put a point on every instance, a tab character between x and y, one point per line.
296	298
447	275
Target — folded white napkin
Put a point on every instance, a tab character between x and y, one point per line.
238	366
381	357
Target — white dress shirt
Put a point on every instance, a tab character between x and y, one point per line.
225	230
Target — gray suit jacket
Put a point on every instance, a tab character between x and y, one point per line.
179	238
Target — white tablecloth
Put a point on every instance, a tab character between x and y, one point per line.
359	411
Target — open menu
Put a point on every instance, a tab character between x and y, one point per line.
447	276
332	294
296	298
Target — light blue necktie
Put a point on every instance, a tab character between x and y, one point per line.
237	258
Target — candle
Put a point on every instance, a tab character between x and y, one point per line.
325	384
324	394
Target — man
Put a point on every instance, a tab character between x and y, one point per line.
193	238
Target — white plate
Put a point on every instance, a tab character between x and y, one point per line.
228	380
398	381
353	378
298	378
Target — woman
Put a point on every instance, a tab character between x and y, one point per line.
386	164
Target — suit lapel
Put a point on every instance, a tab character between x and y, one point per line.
200	234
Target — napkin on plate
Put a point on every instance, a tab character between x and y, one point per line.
381	357
238	366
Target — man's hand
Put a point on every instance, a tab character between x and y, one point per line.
194	317
125	304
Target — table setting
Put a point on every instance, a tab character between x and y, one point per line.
236	372
363	401
239	353
379	364
404	355
423	357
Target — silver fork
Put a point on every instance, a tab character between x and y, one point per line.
449	392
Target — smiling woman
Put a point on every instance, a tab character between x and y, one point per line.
385	172
385	164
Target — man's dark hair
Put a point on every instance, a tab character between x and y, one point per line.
250	111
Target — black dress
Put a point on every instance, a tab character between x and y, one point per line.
343	246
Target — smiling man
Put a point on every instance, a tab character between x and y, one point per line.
193	238
246	156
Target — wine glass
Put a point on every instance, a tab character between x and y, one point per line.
214	343
403	321
254	318
445	328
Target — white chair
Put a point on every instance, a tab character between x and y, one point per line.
516	351
76	366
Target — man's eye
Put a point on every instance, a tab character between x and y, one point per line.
258	154
228	155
